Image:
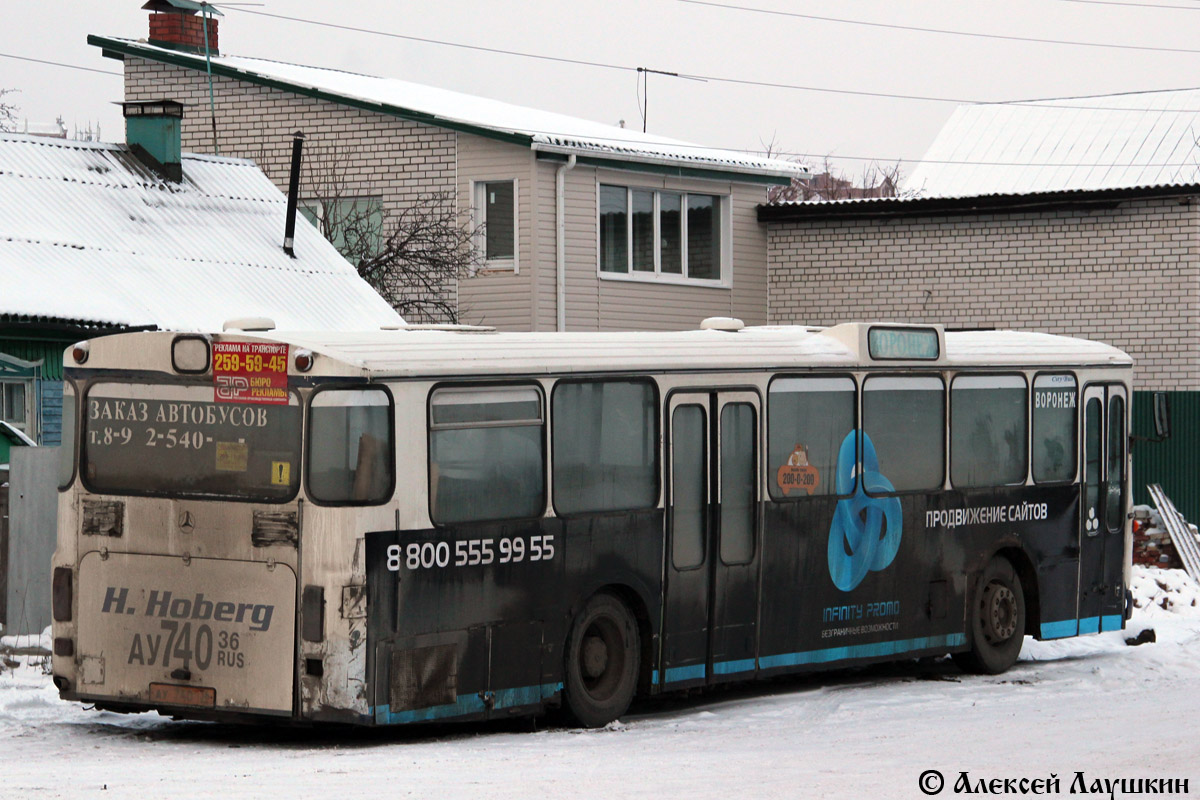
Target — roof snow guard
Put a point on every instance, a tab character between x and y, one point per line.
90	236
544	131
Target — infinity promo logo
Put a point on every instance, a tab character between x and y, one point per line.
865	533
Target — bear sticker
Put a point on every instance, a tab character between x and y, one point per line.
797	474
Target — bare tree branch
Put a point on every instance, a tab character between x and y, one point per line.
830	183
414	256
8	112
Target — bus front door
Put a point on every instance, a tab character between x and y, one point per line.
1102	514
712	564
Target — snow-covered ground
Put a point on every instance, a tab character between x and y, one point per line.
1091	704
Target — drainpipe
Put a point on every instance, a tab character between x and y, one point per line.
560	266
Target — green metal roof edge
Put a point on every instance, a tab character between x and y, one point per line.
1019	202
114	48
193	49
682	172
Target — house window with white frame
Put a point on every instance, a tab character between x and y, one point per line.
654	233
496	220
353	225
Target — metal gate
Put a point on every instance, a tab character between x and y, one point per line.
32	531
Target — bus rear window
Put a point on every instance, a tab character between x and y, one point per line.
350	447
148	439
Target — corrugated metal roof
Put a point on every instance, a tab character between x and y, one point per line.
545	130
1141	139
88	234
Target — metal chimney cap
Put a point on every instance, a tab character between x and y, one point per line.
181	7
152	108
249	324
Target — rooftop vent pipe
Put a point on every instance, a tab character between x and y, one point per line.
289	230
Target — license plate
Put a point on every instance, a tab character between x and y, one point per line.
170	694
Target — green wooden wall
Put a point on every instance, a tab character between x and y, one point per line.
1174	463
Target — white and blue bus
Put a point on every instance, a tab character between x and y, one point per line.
407	525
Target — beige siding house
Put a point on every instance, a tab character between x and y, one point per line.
657	234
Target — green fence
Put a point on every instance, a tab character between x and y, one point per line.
1174	463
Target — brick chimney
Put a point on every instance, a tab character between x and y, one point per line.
179	25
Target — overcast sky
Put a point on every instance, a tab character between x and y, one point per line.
670	35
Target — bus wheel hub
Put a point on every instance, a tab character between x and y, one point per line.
1000	612
595	656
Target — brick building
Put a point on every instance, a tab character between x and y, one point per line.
584	226
1078	220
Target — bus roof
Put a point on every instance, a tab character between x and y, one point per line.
412	353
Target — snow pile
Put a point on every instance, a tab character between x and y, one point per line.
27	641
1161	592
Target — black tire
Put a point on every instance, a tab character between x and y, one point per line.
995	621
602	657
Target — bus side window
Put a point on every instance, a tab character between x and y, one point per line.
605	445
350	447
486	460
808	420
988	430
904	428
1054	447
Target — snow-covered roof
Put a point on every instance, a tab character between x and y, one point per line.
423	353
88	235
542	130
1144	139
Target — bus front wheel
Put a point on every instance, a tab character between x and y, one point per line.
996	621
602	659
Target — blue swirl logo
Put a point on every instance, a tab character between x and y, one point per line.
865	532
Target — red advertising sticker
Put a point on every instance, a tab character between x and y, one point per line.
249	372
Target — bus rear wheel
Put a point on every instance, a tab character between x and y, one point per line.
602	657
996	621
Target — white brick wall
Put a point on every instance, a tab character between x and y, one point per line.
377	155
1128	276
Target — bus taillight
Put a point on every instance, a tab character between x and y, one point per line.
62	594
304	360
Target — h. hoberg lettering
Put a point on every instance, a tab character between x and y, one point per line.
163	604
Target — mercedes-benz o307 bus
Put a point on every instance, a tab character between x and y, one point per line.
408	525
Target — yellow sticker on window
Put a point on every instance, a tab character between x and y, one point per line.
281	473
232	456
